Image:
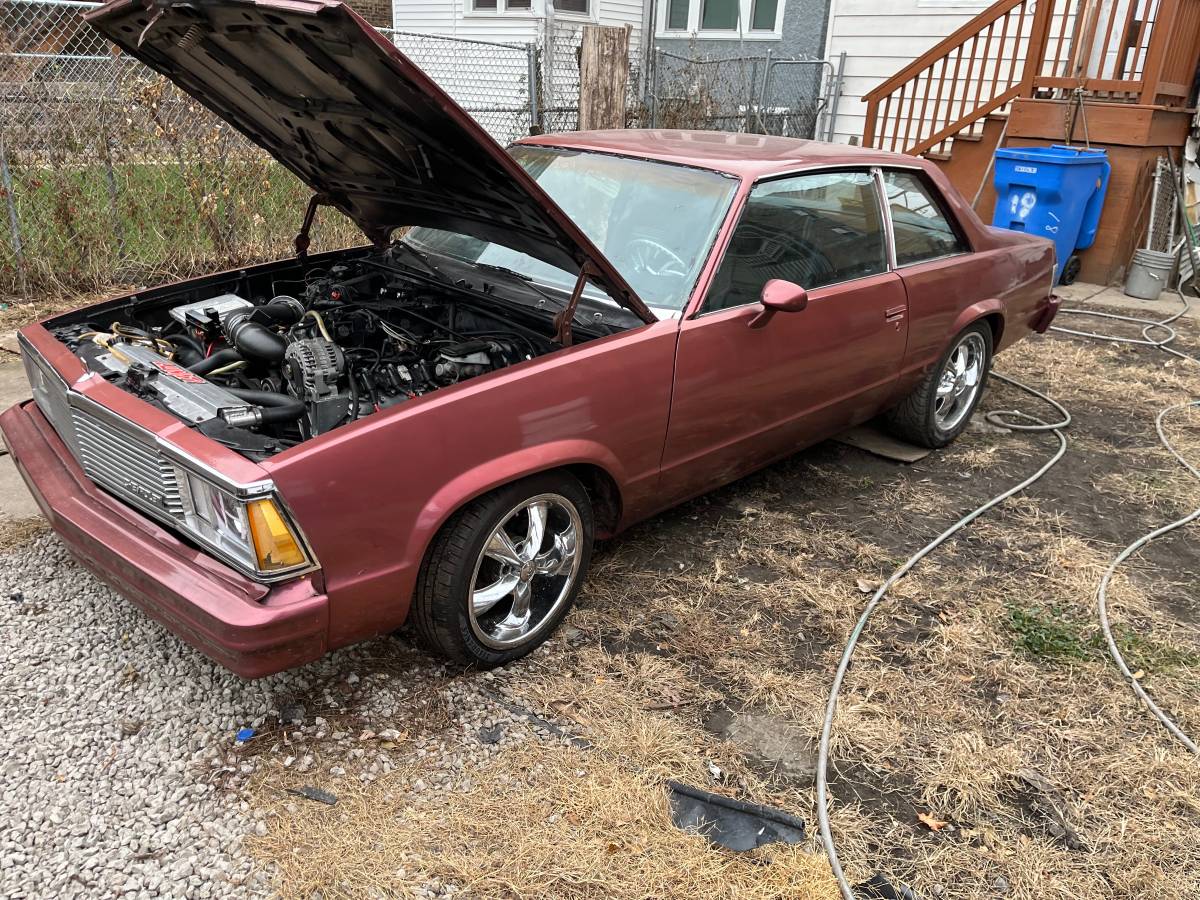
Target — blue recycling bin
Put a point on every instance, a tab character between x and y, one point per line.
1055	192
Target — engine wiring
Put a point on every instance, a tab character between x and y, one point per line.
1017	420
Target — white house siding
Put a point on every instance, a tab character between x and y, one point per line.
881	37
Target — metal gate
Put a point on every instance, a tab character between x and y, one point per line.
792	97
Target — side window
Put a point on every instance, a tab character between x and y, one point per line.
921	227
812	230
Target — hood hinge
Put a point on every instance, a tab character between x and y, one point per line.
562	322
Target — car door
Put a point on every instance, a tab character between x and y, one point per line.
928	248
744	396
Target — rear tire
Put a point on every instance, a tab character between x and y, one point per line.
939	408
505	570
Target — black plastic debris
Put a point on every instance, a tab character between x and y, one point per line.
312	793
879	888
729	823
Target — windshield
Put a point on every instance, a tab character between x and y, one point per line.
655	222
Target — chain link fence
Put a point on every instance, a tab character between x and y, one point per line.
110	175
760	94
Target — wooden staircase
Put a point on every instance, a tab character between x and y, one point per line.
952	103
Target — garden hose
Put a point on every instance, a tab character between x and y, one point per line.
1148	326
1011	419
1017	420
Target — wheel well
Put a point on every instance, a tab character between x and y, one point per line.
604	494
996	323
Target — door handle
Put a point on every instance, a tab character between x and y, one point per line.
895	314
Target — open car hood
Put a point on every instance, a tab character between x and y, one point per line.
328	96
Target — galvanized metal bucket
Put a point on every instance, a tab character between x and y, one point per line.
1148	274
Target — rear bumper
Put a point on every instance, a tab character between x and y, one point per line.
250	628
1046	314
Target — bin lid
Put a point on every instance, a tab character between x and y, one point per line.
1056	154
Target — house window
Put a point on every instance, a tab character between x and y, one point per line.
720	18
500	6
579	7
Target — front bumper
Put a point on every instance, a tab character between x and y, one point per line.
250	628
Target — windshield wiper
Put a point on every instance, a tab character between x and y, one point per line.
420	257
526	280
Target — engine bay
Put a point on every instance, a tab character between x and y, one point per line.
263	361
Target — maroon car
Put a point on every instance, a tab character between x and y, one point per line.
538	348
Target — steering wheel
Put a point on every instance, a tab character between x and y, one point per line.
652	258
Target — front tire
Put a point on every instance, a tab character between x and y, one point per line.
505	570
939	408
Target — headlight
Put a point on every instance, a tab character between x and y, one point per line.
252	533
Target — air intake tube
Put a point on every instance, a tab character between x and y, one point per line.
252	339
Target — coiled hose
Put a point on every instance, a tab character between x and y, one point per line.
1012	419
1163	326
1020	421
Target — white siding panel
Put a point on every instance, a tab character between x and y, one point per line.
881	37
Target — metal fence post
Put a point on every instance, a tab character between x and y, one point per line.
14	223
762	94
654	64
835	97
114	205
535	115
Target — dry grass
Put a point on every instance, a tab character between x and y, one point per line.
979	696
549	821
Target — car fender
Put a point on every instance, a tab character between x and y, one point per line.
973	314
502	470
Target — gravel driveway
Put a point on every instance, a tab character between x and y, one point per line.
121	775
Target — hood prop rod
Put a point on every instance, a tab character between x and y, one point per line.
302	241
562	321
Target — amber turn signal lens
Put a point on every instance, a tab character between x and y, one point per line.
274	543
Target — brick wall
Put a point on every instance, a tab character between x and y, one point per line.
377	12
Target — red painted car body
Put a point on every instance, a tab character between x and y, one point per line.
647	417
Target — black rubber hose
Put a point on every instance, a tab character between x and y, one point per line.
275	408
252	339
188	341
217	360
283	310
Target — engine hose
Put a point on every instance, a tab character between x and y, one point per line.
1148	326
218	360
1004	419
273	408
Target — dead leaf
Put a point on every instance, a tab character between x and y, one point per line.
933	824
866	587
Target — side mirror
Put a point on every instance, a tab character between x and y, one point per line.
779	296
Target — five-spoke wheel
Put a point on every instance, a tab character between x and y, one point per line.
938	409
526	569
504	571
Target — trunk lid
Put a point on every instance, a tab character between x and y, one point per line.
333	100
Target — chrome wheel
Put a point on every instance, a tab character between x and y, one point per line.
525	571
960	381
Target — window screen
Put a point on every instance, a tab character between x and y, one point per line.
483	4
572	6
719	15
519	4
763	16
677	15
812	230
920	225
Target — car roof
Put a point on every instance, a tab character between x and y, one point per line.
745	155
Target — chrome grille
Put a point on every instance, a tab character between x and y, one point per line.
131	468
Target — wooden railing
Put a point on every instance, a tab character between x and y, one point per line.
1132	51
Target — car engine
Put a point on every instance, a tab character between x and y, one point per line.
262	373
